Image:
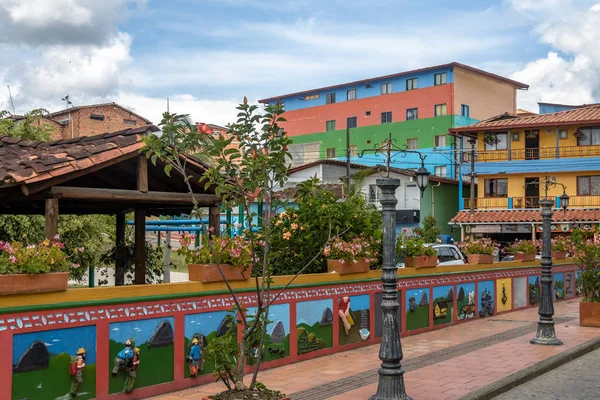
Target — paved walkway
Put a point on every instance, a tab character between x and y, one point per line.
444	364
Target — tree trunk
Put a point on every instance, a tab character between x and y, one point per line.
239	373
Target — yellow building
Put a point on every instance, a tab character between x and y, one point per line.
514	154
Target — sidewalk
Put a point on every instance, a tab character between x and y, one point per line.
444	364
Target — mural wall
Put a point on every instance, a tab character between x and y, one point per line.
485	293
314	325
417	308
354	313
277	338
520	292
570	284
465	301
504	290
578	283
534	290
443	304
154	339
42	364
559	286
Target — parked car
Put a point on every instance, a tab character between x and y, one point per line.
447	254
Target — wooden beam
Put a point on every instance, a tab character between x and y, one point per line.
214	220
120	251
142	174
120	195
140	246
51	214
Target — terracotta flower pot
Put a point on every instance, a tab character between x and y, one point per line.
39	283
524	257
344	268
559	255
210	273
480	258
589	314
420	261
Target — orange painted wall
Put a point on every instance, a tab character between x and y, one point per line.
312	120
486	97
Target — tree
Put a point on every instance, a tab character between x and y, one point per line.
31	127
430	231
242	176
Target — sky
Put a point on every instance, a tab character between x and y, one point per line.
139	330
310	312
206	55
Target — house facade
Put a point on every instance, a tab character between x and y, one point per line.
515	155
418	107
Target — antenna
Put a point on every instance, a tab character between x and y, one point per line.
11	99
167	104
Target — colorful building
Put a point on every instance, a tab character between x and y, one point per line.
418	107
515	153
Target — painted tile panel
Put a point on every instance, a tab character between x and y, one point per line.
465	301
520	292
314	325
354	313
504	297
485	293
559	286
277	338
417	308
443	304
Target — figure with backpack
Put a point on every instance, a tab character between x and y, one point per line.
194	356
76	371
131	367
124	357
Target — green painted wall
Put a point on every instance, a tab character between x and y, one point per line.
424	129
446	206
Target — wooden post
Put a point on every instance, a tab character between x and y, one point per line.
142	174
120	254
167	263
140	246
51	218
214	220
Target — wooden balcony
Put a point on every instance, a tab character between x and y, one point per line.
543	153
520	203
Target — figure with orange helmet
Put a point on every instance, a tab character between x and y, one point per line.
76	371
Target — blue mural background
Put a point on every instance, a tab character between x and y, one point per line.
59	341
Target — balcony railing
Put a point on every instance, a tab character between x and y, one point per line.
516	203
542	153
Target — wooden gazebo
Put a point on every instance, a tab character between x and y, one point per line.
102	174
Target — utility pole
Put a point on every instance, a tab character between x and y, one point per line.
472	142
348	158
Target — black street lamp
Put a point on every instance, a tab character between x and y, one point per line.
546	335
391	375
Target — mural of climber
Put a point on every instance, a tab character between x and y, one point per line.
520	293
204	328
465	300
55	364
443	304
534	290
354	313
314	325
379	315
277	339
504	294
138	352
485	292
559	286
570	284
417	308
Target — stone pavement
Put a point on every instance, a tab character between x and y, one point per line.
577	380
444	364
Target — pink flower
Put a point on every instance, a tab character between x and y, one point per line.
294	226
75	266
56	237
13	259
212	228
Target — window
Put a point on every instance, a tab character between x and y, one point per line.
367	113
440	140
501	142
516	137
412	84
562	135
351	122
329	126
441	109
312	97
591	136
464	110
440	171
496	187
588	185
386	88
131	122
331	152
351	94
412	113
412	144
440	79
386	117
353	150
330	98
97	117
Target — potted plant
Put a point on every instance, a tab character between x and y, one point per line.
349	257
234	255
40	268
587	255
415	253
524	250
479	251
490	139
578	134
560	247
531	134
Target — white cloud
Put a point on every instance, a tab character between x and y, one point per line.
41	13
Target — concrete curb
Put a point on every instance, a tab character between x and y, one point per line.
518	378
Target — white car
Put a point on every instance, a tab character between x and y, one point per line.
448	254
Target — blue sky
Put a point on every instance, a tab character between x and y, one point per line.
59	341
277	312
207	54
204	323
139	330
310	312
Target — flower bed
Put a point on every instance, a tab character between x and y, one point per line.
479	251
347	257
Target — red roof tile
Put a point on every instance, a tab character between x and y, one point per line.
582	115
524	216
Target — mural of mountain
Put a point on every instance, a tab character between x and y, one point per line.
327	317
225	326
162	335
424	300
450	295
461	294
278	333
33	358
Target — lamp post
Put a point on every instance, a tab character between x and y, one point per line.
546	335
391	375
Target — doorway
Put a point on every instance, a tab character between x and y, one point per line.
532	192
532	145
